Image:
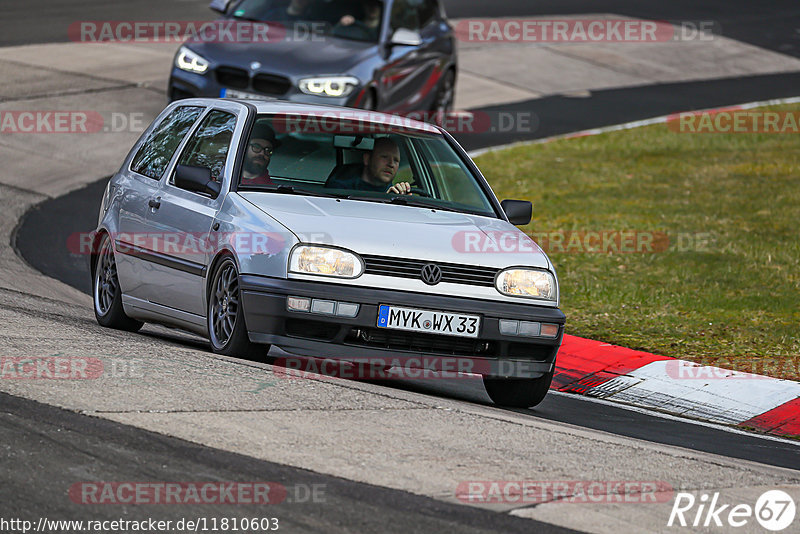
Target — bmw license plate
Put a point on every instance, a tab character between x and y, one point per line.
428	321
232	93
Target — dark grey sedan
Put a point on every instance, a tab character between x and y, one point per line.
390	55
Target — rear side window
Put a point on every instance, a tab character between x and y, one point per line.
155	154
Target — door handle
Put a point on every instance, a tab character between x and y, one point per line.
154	203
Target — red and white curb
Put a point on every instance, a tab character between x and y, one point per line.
669	385
678	387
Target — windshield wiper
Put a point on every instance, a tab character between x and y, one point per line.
291	190
420	203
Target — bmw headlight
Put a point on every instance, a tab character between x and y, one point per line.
334	86
531	283
325	261
191	61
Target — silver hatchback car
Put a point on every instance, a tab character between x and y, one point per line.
330	233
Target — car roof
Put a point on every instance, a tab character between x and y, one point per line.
314	110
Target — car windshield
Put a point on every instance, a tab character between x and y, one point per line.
323	155
358	20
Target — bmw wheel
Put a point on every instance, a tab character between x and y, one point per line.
445	95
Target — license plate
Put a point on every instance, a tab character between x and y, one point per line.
232	93
428	321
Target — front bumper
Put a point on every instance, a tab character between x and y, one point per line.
184	84
359	339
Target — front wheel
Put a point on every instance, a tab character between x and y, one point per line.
106	291
226	328
445	95
517	392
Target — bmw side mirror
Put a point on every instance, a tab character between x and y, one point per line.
519	212
405	37
220	6
197	179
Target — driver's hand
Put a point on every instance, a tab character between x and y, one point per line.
347	20
400	188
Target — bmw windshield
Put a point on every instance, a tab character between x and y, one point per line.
358	20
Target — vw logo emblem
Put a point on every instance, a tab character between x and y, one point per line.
255	65
431	274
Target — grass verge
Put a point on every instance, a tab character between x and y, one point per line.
720	282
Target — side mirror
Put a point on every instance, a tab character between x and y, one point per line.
519	212
220	6
405	37
197	179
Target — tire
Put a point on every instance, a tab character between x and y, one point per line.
517	392
106	292
369	103
227	330
445	95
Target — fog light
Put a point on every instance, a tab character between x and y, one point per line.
528	329
326	307
508	328
549	330
301	304
347	309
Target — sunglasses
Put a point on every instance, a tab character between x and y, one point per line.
255	147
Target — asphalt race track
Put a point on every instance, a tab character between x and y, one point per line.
40	242
47	449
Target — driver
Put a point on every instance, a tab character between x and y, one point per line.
371	21
376	173
296	10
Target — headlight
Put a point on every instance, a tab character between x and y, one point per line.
189	61
325	261
329	85
527	283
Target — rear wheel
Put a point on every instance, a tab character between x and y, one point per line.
106	292
517	392
226	328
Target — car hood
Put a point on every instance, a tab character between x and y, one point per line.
402	231
291	58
